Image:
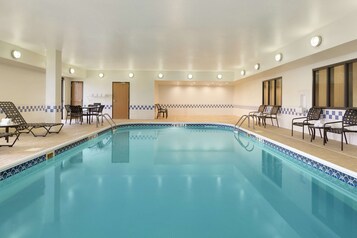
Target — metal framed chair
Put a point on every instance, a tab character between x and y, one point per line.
313	115
347	125
272	114
76	113
161	110
256	114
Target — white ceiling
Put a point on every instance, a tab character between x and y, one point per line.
164	34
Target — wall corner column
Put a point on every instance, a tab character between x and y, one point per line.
53	85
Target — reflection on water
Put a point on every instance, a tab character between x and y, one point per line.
272	167
120	147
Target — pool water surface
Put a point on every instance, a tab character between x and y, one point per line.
174	182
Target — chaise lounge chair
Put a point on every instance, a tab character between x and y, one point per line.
13	113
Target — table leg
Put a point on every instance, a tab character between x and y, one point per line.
7	137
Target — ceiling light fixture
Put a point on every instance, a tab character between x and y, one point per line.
278	57
101	75
315	41
131	75
189	76
71	70
219	76
242	72
160	75
16	54
257	66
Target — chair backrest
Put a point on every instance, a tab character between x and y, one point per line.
97	104
350	117
68	108
314	113
275	110
261	108
76	110
13	113
100	109
158	106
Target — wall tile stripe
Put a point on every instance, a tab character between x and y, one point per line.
330	114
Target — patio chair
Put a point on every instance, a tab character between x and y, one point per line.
255	114
76	113
347	125
68	111
7	135
161	110
11	111
312	116
272	114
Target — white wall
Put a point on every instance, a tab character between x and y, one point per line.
141	91
196	100
25	87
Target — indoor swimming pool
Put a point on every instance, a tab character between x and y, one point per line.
183	180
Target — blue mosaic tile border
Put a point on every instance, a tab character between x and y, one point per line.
71	146
21	167
301	159
24	166
309	163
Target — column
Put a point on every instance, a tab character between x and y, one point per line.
53	85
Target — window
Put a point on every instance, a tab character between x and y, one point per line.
335	86
320	88
272	92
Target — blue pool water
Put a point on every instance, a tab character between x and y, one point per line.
174	182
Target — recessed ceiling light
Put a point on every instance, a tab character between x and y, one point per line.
242	72
278	57
160	75
101	75
189	76
257	66
219	76
131	75
16	54
316	41
71	70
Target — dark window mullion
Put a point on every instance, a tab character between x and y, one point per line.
328	88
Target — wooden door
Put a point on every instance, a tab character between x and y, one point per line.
120	100
77	93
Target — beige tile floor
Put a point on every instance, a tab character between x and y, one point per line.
29	147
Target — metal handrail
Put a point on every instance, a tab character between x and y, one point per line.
108	118
242	120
